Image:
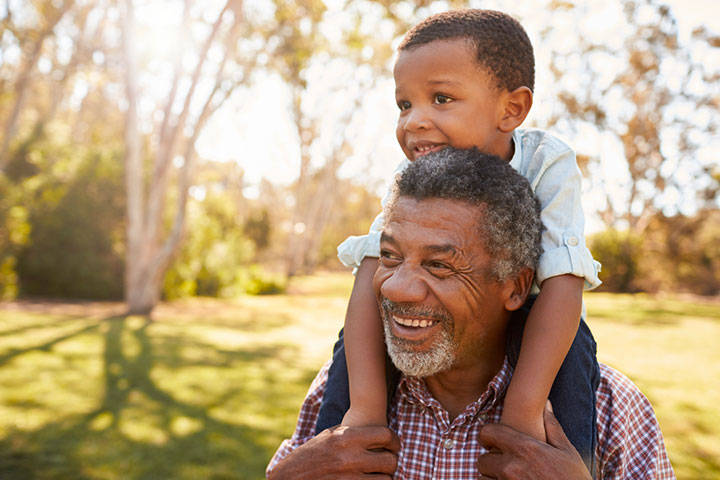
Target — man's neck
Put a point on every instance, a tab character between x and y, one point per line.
458	387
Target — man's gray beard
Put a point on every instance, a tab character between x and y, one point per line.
439	358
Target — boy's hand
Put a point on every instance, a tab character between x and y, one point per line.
355	417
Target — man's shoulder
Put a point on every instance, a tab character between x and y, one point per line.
617	387
629	436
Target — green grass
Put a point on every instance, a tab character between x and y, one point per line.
207	389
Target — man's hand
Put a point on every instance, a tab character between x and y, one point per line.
514	455
342	453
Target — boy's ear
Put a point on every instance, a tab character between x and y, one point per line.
518	288
517	106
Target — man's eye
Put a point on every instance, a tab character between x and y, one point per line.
439	268
388	259
440	99
403	105
437	265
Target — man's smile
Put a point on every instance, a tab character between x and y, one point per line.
410	322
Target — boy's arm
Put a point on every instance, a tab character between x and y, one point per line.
549	332
564	269
365	352
364	343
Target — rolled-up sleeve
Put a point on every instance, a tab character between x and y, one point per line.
352	251
558	187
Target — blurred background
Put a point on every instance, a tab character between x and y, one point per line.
175	177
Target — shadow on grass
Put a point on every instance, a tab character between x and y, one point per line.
140	430
12	353
39	326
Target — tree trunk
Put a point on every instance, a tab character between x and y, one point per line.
149	249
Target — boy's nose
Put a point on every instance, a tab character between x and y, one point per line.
417	119
405	285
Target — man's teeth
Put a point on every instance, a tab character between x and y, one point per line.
408	322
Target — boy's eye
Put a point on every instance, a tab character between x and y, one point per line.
440	99
403	105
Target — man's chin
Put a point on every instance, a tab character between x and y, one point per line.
419	362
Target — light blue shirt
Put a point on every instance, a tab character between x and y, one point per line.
550	166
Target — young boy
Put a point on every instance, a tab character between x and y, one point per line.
463	79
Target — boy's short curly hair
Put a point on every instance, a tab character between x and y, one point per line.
503	46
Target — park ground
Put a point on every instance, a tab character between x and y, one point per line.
207	388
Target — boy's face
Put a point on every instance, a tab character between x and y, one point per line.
447	99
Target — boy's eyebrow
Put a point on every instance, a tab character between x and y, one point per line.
450	83
444	82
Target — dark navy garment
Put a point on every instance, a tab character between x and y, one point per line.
572	394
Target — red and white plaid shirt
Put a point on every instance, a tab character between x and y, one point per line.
630	444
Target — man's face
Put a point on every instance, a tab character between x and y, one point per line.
440	308
446	99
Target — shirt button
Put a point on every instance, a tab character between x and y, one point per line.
572	241
448	443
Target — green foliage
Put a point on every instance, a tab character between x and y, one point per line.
255	281
216	257
258	228
74	249
676	253
14	233
686	251
619	253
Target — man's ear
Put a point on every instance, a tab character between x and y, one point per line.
518	289
517	107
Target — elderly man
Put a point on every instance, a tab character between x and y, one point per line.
458	252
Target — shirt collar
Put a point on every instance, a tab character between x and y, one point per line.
516	159
414	390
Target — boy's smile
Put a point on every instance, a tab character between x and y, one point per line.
446	98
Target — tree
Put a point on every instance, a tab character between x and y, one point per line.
646	93
192	97
358	61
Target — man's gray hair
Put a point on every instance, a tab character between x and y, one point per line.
510	226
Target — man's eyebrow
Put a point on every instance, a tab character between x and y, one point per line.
446	248
386	237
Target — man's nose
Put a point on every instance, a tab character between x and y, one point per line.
405	285
417	118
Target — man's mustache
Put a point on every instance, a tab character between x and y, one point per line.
414	311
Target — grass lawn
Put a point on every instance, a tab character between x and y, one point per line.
207	389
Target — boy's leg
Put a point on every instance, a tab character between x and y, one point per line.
336	399
573	392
